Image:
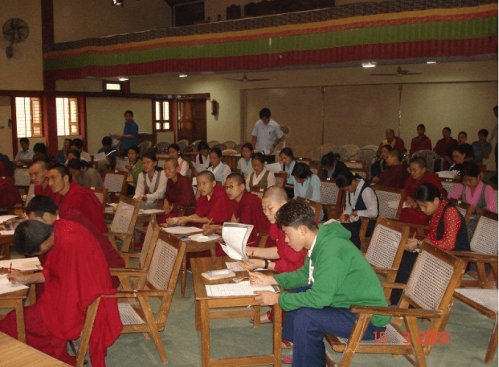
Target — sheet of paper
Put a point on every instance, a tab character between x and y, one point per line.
7	232
121	164
236	289
23	264
99	157
234	266
202	238
447	174
5	218
151	211
274	167
182	230
235	236
6	286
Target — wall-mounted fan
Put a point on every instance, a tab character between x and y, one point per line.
398	72
15	30
245	79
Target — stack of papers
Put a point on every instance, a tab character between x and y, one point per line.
182	230
6	286
151	211
202	238
5	218
236	289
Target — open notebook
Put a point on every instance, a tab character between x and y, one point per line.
235	236
6	286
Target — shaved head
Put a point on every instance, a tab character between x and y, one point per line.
237	177
276	193
208	175
173	161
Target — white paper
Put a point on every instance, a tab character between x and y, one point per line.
274	167
447	174
182	230
6	286
393	204
9	232
236	289
198	167
5	218
234	266
23	264
202	238
99	157
235	236
151	211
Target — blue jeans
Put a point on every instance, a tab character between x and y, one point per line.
306	328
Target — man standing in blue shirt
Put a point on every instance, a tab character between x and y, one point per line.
130	132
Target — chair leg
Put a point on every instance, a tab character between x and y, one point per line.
358	331
256	316
153	331
412	326
492	347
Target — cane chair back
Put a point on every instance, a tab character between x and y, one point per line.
350	150
331	198
429	156
390	201
115	182
101	195
484	239
316	207
355	164
449	184
428	294
124	221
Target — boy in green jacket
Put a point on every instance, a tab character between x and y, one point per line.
336	276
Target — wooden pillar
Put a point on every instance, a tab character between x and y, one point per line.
49	113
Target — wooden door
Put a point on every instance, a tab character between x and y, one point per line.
191	119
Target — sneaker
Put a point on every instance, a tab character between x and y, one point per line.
286	344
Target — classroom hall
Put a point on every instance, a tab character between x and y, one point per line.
344	77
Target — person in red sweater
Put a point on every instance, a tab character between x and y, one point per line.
179	195
73	197
447	231
421	141
418	175
280	258
395	173
213	206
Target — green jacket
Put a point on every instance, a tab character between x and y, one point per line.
342	277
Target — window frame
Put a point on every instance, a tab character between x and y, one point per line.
71	124
31	123
162	119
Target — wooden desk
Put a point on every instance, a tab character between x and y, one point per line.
13	353
210	308
5	242
15	300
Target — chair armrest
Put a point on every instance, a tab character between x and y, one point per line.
396	312
475	256
127	272
393	285
122	294
134	255
111	233
10	298
383	271
423	227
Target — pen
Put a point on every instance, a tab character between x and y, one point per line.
10	268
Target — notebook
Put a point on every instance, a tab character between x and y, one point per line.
6	286
235	236
218	274
23	264
237	289
182	230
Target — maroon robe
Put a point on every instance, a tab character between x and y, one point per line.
181	195
83	200
219	208
9	196
249	211
76	273
394	176
420	143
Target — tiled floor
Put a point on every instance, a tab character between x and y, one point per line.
468	330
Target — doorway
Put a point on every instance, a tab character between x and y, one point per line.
191	119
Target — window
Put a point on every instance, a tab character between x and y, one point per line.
116	87
29	117
67	116
162	116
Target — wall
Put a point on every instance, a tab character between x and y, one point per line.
74	20
24	70
5	131
105	116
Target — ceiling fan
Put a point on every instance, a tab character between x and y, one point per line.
245	79
399	72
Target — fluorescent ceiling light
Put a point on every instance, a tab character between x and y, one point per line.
182	75
370	64
431	62
122	78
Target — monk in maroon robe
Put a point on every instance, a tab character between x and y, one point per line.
75	273
418	175
179	195
9	196
395	173
73	197
421	141
45	209
38	173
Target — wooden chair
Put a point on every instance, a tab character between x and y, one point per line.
355	164
22	179
143	257
351	150
386	248
390	201
483	247
429	156
101	195
86	332
448	184
428	294
161	280
115	182
123	224
316	207
16	302
332	198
